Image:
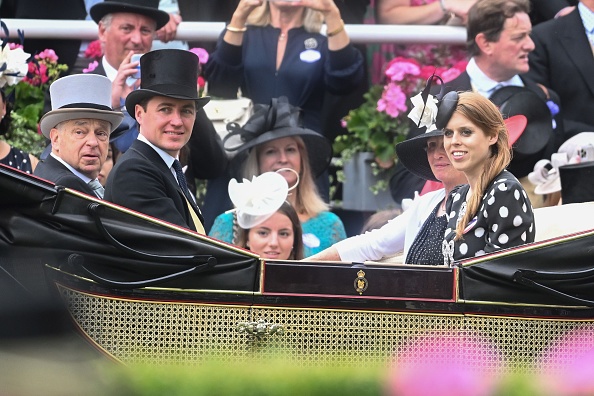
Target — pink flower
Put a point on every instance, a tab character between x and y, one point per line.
48	54
446	363
94	50
343	123
398	68
568	364
14	45
201	53
201	82
92	66
393	100
450	74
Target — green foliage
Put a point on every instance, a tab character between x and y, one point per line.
25	116
272	378
370	130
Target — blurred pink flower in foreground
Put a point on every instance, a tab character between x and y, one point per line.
201	53
446	364
567	366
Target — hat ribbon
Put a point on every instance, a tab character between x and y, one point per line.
266	118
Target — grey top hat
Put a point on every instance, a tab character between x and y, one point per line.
149	8
80	96
167	72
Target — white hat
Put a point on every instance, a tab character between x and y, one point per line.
580	146
258	200
80	96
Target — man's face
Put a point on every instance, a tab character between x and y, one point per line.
167	123
508	56
82	144
127	32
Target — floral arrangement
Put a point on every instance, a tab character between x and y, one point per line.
26	80
382	122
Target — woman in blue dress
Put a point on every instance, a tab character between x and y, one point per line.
271	140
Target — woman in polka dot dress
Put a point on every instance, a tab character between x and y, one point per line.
492	212
12	156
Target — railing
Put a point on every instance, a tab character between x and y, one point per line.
210	31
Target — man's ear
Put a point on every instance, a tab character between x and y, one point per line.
484	45
55	140
138	113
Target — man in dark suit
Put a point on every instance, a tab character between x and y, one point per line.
148	177
79	126
563	60
127	27
498	42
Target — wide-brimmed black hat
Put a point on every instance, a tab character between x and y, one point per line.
412	152
167	72
276	120
531	146
149	8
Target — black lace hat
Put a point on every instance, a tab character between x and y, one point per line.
411	152
273	121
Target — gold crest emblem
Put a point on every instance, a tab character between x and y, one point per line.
360	282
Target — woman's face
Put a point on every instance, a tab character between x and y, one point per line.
467	145
278	154
273	238
106	168
440	164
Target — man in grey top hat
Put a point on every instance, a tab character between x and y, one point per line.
79	126
148	177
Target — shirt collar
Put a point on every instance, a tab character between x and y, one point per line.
485	85
110	72
587	16
71	169
168	159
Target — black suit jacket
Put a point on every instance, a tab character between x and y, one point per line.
141	181
563	61
53	170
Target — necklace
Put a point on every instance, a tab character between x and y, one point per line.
282	36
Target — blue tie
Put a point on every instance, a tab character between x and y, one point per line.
181	180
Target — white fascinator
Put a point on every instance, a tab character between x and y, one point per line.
256	200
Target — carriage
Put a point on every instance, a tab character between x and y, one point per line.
139	289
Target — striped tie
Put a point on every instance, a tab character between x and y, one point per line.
97	188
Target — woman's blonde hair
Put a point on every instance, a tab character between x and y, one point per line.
484	114
307	199
312	19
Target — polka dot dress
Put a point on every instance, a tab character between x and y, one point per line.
18	159
504	219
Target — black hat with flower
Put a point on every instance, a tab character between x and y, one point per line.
433	114
277	120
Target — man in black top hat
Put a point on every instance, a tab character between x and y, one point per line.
127	27
148	177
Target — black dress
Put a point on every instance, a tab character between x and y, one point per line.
18	159
426	248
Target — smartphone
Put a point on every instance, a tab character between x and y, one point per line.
132	79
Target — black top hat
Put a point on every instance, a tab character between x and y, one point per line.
149	8
513	100
576	182
277	120
167	72
411	152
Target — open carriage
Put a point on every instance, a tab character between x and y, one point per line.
142	290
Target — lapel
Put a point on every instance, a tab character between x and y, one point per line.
576	45
151	155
